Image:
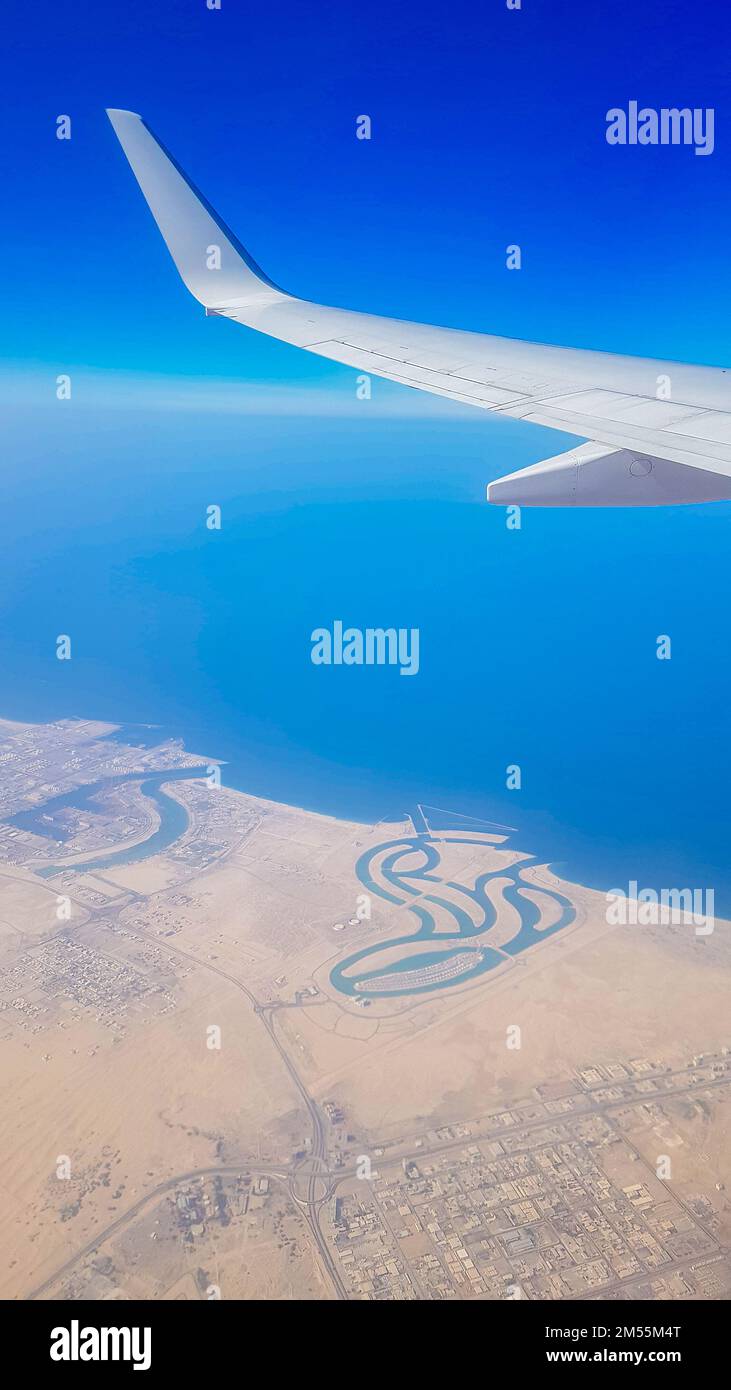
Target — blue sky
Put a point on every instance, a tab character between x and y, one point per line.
488	130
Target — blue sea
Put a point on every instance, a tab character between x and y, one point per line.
537	645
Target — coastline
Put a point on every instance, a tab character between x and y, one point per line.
362	799
240	923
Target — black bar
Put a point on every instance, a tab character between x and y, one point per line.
192	1338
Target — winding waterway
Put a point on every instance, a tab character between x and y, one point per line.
456	919
173	819
382	873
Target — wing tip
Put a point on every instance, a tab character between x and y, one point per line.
117	111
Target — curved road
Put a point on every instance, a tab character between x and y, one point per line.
311	1206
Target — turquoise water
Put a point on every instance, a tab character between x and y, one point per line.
381	873
173	819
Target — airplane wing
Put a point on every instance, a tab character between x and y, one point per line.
657	432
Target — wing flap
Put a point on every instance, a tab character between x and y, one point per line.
688	449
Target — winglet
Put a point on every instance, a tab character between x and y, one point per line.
211	261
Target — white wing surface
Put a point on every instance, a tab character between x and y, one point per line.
658	432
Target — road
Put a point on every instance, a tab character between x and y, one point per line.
318	1148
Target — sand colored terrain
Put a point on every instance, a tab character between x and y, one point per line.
106	1018
130	1112
594	992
